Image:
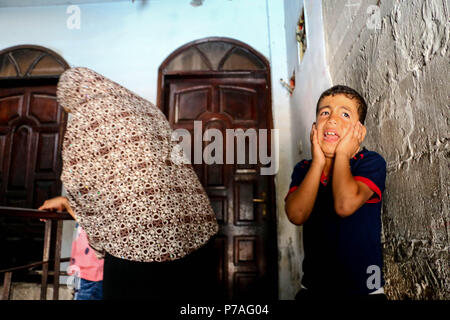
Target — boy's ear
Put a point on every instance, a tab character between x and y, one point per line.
363	133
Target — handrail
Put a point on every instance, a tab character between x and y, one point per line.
34	264
34	213
49	217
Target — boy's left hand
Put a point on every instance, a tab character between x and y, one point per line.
349	144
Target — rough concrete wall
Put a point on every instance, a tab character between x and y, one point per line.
402	69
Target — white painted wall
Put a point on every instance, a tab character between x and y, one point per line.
281	115
127	42
312	78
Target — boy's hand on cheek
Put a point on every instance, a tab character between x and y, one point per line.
351	141
316	151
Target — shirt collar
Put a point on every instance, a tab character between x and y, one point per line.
360	155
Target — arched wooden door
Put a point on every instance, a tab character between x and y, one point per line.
225	84
31	130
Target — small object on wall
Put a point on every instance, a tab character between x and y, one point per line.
291	85
292	80
196	3
287	86
301	35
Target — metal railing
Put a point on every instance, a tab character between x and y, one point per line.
50	218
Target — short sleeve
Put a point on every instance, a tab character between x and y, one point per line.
298	175
371	170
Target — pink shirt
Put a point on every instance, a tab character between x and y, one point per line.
84	263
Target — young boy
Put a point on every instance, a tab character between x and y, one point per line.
336	196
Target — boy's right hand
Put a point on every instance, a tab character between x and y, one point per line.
316	151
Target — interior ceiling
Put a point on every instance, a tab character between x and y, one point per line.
35	3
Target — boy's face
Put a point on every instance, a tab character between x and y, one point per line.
335	117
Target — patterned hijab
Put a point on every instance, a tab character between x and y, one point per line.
126	184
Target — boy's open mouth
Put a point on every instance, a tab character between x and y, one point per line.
330	135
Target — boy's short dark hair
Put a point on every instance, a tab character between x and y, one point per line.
349	93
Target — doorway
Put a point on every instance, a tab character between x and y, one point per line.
32	125
223	84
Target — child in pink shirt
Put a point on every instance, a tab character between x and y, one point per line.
85	265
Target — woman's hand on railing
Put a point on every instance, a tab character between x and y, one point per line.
57	204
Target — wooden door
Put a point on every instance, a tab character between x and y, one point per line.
241	198
31	131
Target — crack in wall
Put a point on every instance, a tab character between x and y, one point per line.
441	147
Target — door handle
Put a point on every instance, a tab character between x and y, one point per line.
262	200
259	200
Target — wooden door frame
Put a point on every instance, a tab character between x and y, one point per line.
26	80
162	76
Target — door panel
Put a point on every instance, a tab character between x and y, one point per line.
44	108
240	196
31	126
10	107
31	130
198	97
